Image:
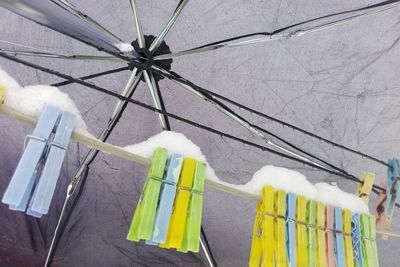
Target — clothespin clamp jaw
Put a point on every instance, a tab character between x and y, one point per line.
365	187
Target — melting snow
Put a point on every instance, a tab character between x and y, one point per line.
31	100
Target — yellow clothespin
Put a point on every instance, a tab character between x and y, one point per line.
348	246
2	91
177	223
262	247
321	260
268	257
280	229
364	188
256	245
301	232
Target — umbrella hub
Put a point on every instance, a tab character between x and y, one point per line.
148	56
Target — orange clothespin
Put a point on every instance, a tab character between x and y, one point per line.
330	250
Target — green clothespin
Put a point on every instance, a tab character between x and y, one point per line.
368	243
193	222
143	219
311	233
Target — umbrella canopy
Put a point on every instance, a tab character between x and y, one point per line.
339	82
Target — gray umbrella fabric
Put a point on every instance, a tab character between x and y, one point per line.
340	83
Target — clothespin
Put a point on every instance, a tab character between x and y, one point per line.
364	188
166	200
348	246
143	218
2	91
21	184
301	232
291	228
44	191
256	244
193	222
330	250
177	222
280	229
263	243
356	240
321	257
381	221
311	233
368	245
339	240
392	190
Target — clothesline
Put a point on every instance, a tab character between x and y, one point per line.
122	153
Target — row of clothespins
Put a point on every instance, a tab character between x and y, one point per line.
290	230
169	210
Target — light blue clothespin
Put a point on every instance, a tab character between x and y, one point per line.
20	186
291	228
356	240
41	199
393	186
166	200
339	240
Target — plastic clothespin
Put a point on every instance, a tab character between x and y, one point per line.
44	191
256	244
176	228
348	246
321	257
280	229
268	239
2	91
301	231
166	200
368	245
392	190
329	238
143	218
339	240
364	188
356	240
21	184
311	233
291	228
193	222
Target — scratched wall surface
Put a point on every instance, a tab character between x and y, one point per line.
341	83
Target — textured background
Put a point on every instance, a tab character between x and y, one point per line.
342	83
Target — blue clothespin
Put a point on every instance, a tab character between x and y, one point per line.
393	186
41	199
20	186
291	228
166	200
356	240
339	240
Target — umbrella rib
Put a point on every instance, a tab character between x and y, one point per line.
138	25
160	38
279	35
127	93
91	76
157	98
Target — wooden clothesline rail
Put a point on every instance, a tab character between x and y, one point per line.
122	153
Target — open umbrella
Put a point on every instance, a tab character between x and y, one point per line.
301	85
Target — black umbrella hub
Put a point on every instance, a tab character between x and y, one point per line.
147	57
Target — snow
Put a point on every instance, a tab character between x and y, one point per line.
125	47
279	178
31	100
175	143
295	182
